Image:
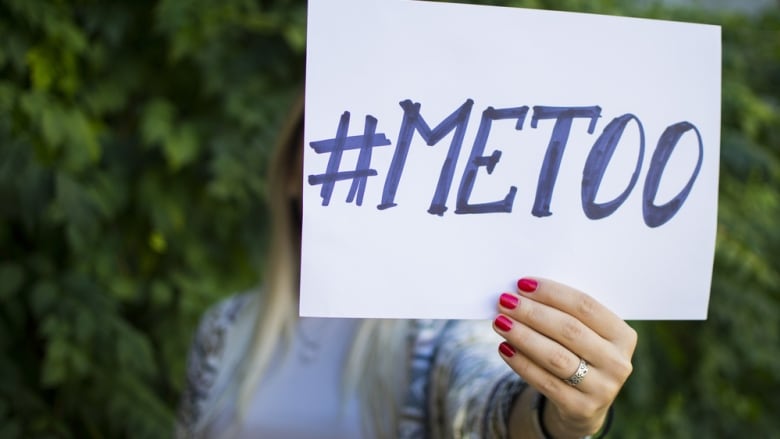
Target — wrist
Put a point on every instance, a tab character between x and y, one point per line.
548	426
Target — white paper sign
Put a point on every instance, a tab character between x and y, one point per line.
452	149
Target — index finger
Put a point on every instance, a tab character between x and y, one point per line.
575	303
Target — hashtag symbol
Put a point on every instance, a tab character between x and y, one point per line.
335	147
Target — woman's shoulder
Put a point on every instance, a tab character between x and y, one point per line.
211	338
216	345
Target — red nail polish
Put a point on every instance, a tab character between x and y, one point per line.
527	285
503	323
506	349
508	301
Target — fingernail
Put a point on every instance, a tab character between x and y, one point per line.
503	323
527	285
506	349
508	301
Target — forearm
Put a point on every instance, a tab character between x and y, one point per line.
524	421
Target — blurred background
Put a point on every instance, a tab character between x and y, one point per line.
134	136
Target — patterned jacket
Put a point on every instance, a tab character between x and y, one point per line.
458	385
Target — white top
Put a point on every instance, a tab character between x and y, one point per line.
301	395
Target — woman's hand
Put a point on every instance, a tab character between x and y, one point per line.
549	327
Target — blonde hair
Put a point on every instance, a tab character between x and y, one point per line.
372	369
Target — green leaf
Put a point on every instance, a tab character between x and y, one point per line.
54	371
157	242
124	289
181	147
82	147
54	126
156	122
42	69
8	95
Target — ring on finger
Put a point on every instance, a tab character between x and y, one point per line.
579	374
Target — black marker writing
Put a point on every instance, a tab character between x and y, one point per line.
412	122
336	147
552	159
476	159
658	215
596	164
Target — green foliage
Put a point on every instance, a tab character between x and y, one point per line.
133	139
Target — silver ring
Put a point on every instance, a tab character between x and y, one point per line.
579	375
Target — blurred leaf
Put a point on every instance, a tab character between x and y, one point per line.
157	121
54	365
181	146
